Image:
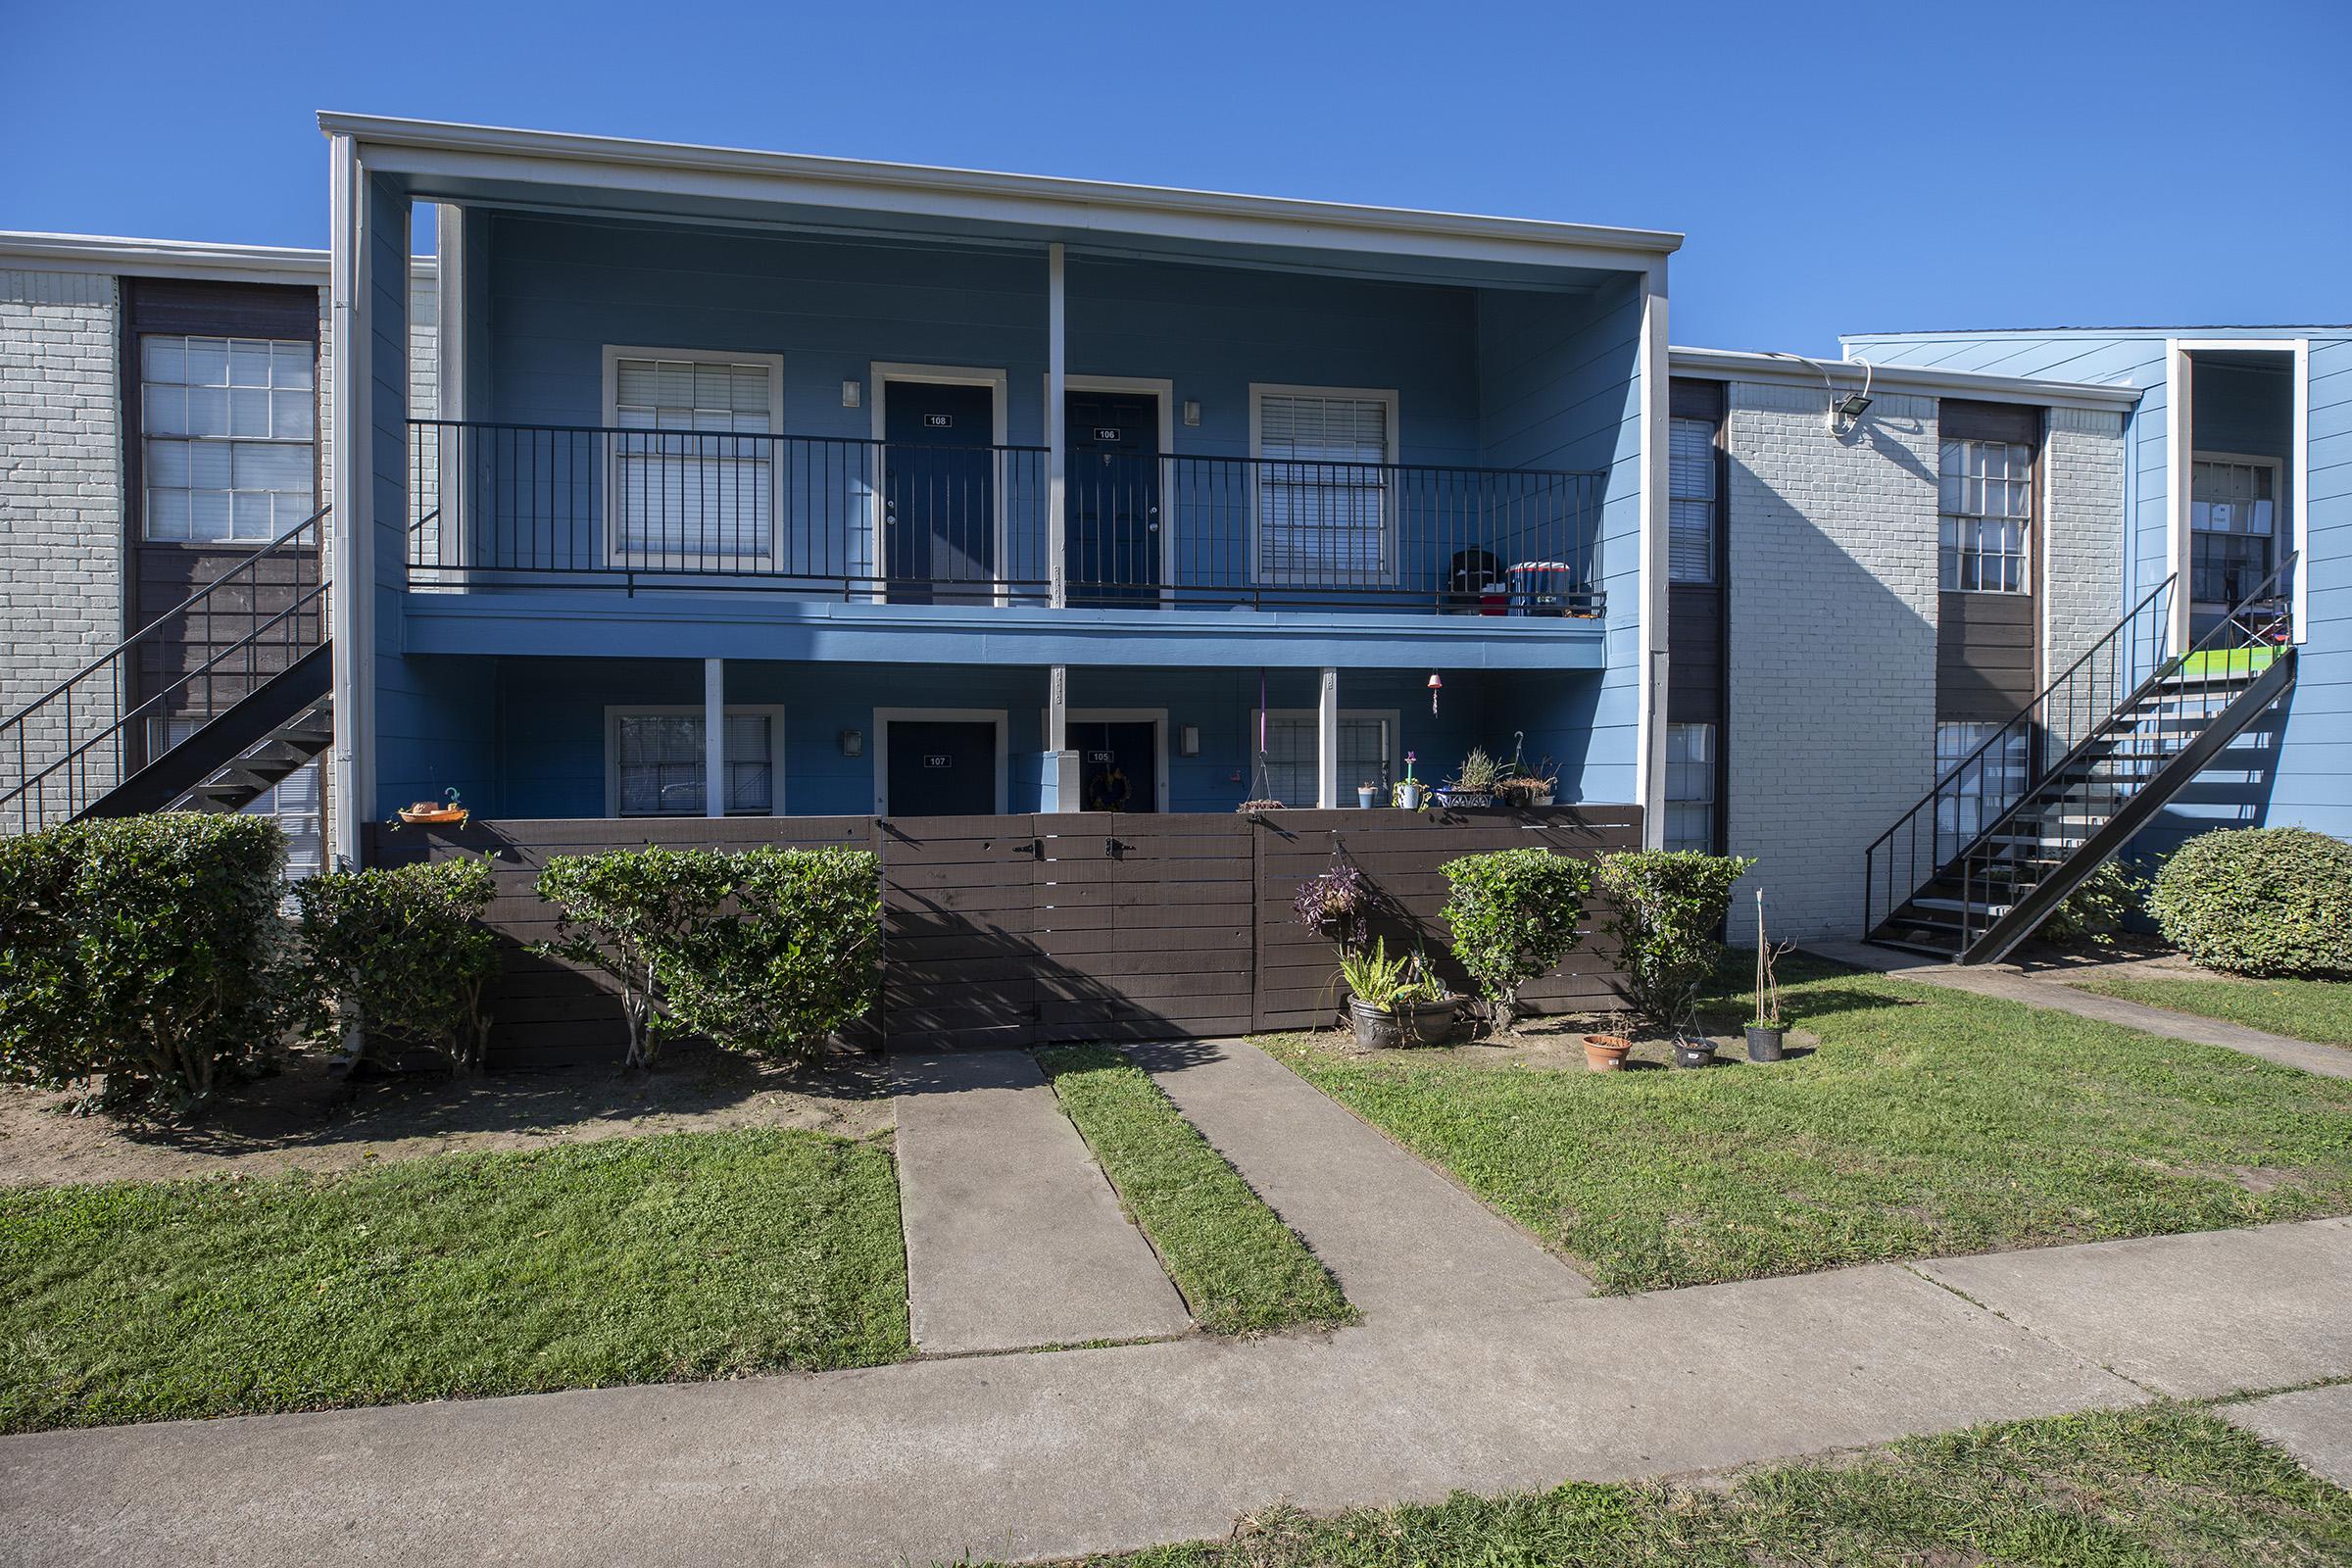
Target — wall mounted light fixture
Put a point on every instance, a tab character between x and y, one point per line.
1188	740
852	394
1192	411
852	743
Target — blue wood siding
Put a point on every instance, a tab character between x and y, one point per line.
538	734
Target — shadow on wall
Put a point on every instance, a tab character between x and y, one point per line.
2234	792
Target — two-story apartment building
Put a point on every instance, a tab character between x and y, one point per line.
871	491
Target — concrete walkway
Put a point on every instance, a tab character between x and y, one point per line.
1402	1239
2315	1425
1014	1238
2013	984
1488	1371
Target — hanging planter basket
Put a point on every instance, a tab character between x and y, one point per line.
424	813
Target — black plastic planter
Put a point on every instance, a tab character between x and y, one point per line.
1421	1023
1693	1054
1764	1044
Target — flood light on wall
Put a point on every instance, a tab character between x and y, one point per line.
852	743
1846	412
1188	740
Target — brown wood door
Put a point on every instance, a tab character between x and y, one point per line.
1143	926
959	927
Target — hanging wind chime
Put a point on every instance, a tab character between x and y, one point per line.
1435	686
1261	784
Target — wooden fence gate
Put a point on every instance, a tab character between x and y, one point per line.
1023	930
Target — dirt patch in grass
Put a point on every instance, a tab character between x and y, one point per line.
310	1117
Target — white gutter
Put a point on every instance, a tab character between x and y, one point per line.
1741	365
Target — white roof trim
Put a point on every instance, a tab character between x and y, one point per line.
428	148
1743	365
168	258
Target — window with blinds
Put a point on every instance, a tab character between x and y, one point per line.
1690	502
700	490
1986	505
1989	784
1291	755
227	428
659	763
1322	489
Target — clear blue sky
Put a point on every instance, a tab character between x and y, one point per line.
1836	167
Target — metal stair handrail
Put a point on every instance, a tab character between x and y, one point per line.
2117	654
2165	679
108	707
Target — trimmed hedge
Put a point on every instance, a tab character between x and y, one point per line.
766	950
2261	901
1665	907
145	954
1514	915
402	953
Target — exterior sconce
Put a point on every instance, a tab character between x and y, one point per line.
852	394
852	743
1188	740
1192	411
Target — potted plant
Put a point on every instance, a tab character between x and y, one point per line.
1367	795
432	813
1693	1049
1535	788
1396	1001
1767	1030
1409	789
1336	902
1605	1051
1473	783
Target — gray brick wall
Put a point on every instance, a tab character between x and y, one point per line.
1833	654
2083	559
60	479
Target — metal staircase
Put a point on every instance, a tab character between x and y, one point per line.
2020	822
90	747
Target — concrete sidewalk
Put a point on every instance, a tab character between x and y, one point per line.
2012	984
1014	1238
1487	1370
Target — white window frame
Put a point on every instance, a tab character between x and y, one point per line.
1393	763
2036	510
614	713
1713	801
879	374
1259	391
615	353
1714	500
938	716
313	443
2281	507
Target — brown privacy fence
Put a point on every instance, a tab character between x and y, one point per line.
1018	930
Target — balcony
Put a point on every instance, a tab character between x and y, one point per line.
513	506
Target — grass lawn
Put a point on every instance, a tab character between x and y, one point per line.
633	1261
2167	1485
1242	1270
2307	1009
1927	1122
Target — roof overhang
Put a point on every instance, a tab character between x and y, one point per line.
163	258
457	162
1743	365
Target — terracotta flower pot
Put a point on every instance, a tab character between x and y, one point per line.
1605	1053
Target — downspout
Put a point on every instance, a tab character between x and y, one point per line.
352	800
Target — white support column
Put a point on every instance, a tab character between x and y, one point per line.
1058	710
2179	432
1327	742
1056	437
1654	672
1064	791
351	800
714	737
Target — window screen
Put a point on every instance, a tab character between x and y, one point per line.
660	764
701	491
226	436
1322	511
1691	489
1291	755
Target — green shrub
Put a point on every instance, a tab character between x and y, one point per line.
145	951
402	955
2268	900
1665	907
1514	914
766	950
2098	909
797	956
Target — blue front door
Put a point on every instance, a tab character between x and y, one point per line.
939	492
941	767
1113	543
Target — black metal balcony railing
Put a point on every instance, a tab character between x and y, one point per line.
506	504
